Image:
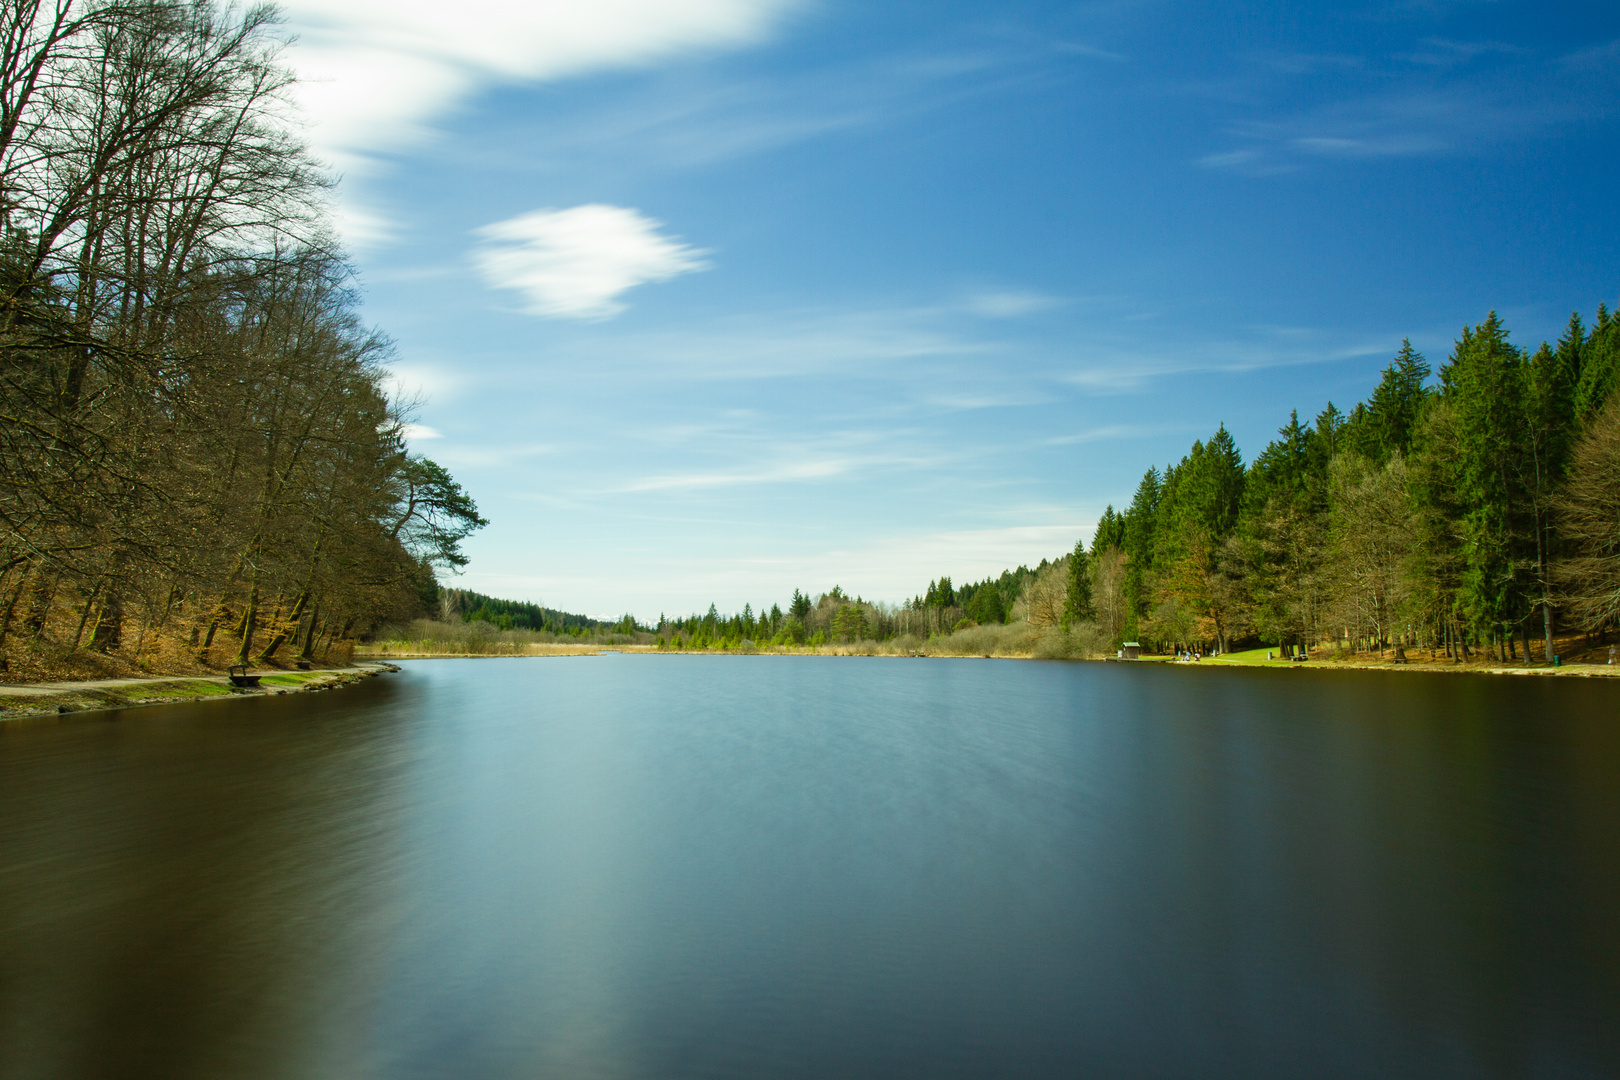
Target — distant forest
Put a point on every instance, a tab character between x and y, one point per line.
1471	509
468	606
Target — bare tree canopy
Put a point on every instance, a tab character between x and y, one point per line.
195	440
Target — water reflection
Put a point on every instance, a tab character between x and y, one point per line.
693	866
197	891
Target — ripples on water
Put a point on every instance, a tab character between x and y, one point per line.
647	866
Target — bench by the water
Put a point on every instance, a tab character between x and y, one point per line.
240	677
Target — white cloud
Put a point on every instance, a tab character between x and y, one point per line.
415	383
807	470
376	74
575	263
418	432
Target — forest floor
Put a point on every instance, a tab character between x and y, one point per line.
45	698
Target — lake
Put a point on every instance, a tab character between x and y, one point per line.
707	866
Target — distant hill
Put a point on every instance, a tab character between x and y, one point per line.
464	605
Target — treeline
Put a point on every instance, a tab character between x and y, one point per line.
197	450
1471	510
831	616
993	600
836	618
464	605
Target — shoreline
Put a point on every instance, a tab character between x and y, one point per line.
39	700
1579	671
35	700
1571	670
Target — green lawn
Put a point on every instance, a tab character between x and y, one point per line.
190	688
1252	656
291	678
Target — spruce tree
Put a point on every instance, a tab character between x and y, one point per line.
1384	426
1140	521
1110	532
1077	605
1485	383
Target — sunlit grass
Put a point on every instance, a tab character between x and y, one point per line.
1252	656
187	689
290	678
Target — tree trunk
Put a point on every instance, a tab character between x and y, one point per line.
89	605
249	623
109	631
11	607
40	598
308	651
287	628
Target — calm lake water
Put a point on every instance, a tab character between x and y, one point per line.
665	867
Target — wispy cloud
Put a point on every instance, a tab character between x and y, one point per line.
968	401
1080	48
1439	97
1113	433
419	432
1301	63
693	117
1127	369
1603	57
1401	124
890	568
1010	305
803	470
795	343
576	263
887	568
408	383
1231	159
491	456
1438	52
378	73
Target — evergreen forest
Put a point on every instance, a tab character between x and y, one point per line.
1472	511
468	606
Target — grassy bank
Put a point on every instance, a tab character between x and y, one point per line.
1579	661
430	637
425	639
1018	640
51	698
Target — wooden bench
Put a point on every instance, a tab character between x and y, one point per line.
240	677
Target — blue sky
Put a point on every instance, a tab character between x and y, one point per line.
706	300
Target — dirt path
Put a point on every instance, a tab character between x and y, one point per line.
38	699
39	689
